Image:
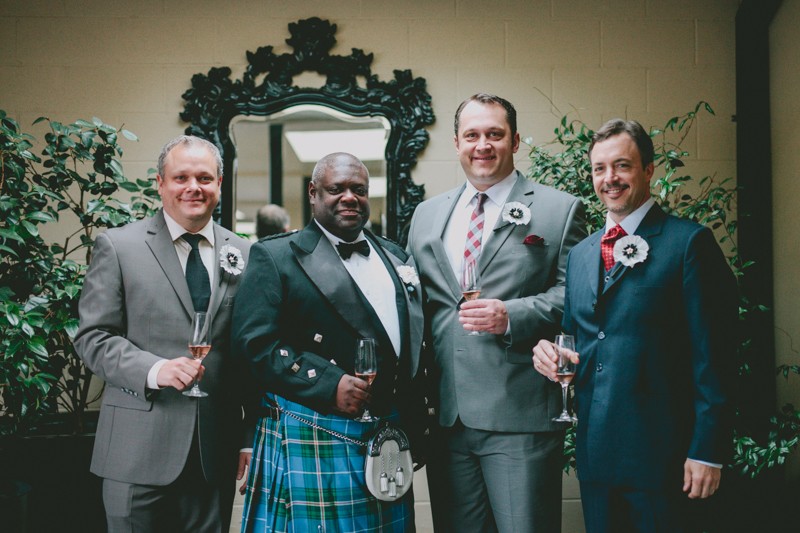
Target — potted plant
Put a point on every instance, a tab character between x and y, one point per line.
73	179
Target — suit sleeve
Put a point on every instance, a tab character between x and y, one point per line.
711	303
531	316
100	340
262	336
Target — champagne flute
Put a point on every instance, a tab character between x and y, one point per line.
199	346
564	373
471	284
366	369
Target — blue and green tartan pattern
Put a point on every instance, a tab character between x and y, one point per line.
303	480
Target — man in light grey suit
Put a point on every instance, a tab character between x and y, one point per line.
168	462
502	455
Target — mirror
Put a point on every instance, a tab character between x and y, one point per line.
251	116
275	157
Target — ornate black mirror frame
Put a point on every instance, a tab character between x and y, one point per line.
214	100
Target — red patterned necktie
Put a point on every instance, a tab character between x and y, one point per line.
607	245
472	249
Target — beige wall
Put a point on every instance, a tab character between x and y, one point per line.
785	110
129	62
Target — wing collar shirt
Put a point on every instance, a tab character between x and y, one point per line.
375	282
182	248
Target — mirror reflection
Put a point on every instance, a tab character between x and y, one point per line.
276	154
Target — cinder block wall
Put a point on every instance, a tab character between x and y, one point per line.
129	62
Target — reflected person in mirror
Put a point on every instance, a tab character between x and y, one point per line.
271	219
654	316
311	295
168	462
499	464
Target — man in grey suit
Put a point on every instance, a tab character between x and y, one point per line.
502	455
168	462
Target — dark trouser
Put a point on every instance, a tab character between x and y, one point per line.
506	482
613	509
188	504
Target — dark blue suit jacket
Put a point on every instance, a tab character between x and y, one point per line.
657	343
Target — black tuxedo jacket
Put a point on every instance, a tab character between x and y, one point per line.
300	314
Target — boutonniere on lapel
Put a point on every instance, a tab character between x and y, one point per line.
516	213
231	260
533	240
631	250
409	277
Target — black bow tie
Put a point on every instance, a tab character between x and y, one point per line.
346	249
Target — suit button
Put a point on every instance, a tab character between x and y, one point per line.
594	305
599	367
601	335
606	279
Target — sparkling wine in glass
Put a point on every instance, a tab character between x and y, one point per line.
471	284
564	373
199	346
366	368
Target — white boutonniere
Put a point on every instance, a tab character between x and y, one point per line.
408	275
516	213
630	250
231	260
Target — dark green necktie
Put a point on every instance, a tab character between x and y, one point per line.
196	274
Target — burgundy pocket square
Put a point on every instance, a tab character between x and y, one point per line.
533	240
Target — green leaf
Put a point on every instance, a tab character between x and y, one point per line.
129	135
129	186
37	347
30	228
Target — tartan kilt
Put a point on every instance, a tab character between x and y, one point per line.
303	480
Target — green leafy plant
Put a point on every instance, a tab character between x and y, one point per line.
563	163
76	171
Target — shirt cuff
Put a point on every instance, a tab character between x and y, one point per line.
246	450
152	376
712	465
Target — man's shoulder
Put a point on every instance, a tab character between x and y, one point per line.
392	247
234	239
279	239
440	198
549	193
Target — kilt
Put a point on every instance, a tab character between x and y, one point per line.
303	480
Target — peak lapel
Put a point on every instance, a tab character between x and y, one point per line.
324	268
160	243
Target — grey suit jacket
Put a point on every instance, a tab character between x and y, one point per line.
488	381
134	310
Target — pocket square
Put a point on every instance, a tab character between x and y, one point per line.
533	240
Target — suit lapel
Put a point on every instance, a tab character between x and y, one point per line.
160	243
324	268
438	227
522	192
594	259
650	227
221	286
409	312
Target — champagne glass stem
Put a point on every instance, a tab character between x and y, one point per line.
564	388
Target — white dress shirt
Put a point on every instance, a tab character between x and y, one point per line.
182	248
455	234
373	279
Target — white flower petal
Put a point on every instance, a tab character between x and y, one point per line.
631	250
516	213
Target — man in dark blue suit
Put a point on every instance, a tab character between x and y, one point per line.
655	326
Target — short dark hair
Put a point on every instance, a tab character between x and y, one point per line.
485	98
271	219
617	126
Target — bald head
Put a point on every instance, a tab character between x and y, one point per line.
339	194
